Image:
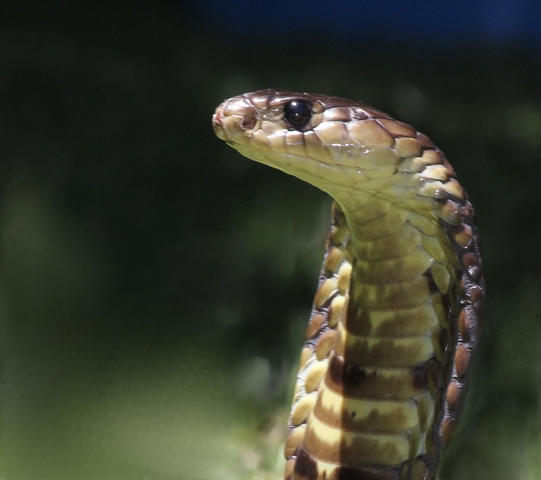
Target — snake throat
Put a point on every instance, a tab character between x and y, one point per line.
395	318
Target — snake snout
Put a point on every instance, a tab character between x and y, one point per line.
234	119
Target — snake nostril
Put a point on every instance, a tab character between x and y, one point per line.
248	123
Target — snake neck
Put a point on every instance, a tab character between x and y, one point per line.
375	363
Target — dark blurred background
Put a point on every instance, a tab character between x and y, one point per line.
155	285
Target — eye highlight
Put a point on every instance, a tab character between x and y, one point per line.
297	113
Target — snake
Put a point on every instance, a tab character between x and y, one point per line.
396	316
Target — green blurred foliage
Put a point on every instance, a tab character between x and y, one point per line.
155	285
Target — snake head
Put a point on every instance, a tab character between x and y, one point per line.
343	147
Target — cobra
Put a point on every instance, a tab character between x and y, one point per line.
395	317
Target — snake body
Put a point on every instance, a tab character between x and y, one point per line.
395	317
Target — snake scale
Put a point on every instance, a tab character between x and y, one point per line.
395	317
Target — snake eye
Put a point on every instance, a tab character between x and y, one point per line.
297	113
